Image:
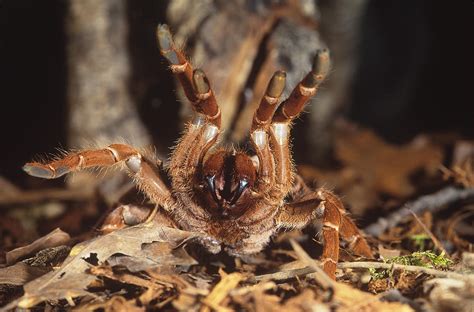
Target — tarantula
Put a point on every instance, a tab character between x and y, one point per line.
238	202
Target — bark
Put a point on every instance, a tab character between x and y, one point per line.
101	108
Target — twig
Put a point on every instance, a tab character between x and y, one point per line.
410	268
285	275
436	242
433	202
320	276
282	275
26	197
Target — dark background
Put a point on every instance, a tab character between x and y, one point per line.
414	73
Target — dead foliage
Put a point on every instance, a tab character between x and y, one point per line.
423	241
371	167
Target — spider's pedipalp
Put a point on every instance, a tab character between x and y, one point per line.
319	70
286	112
259	135
306	89
270	100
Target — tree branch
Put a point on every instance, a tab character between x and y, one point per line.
433	202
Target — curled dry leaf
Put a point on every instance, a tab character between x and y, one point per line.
72	279
53	239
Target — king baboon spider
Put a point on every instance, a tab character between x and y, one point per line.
236	201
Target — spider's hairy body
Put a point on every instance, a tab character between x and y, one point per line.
236	201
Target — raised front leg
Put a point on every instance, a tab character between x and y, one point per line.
289	110
326	207
194	82
143	170
203	131
259	131
271	124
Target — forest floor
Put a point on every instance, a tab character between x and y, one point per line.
415	203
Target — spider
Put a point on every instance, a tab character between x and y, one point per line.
236	201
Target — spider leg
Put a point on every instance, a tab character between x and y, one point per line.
259	129
305	90
352	235
202	132
142	169
326	206
281	117
194	82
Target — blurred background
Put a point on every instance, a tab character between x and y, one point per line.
73	72
398	99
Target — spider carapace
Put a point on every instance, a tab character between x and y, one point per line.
235	201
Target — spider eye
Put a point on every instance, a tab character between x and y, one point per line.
211	185
243	184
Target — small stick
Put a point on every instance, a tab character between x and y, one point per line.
26	197
410	268
285	275
433	202
321	277
282	275
436	242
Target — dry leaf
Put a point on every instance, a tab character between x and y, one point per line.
386	167
53	239
372	167
72	279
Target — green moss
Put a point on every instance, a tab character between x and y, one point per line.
427	259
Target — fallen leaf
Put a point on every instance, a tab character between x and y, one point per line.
165	251
386	167
53	239
372	167
72	279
